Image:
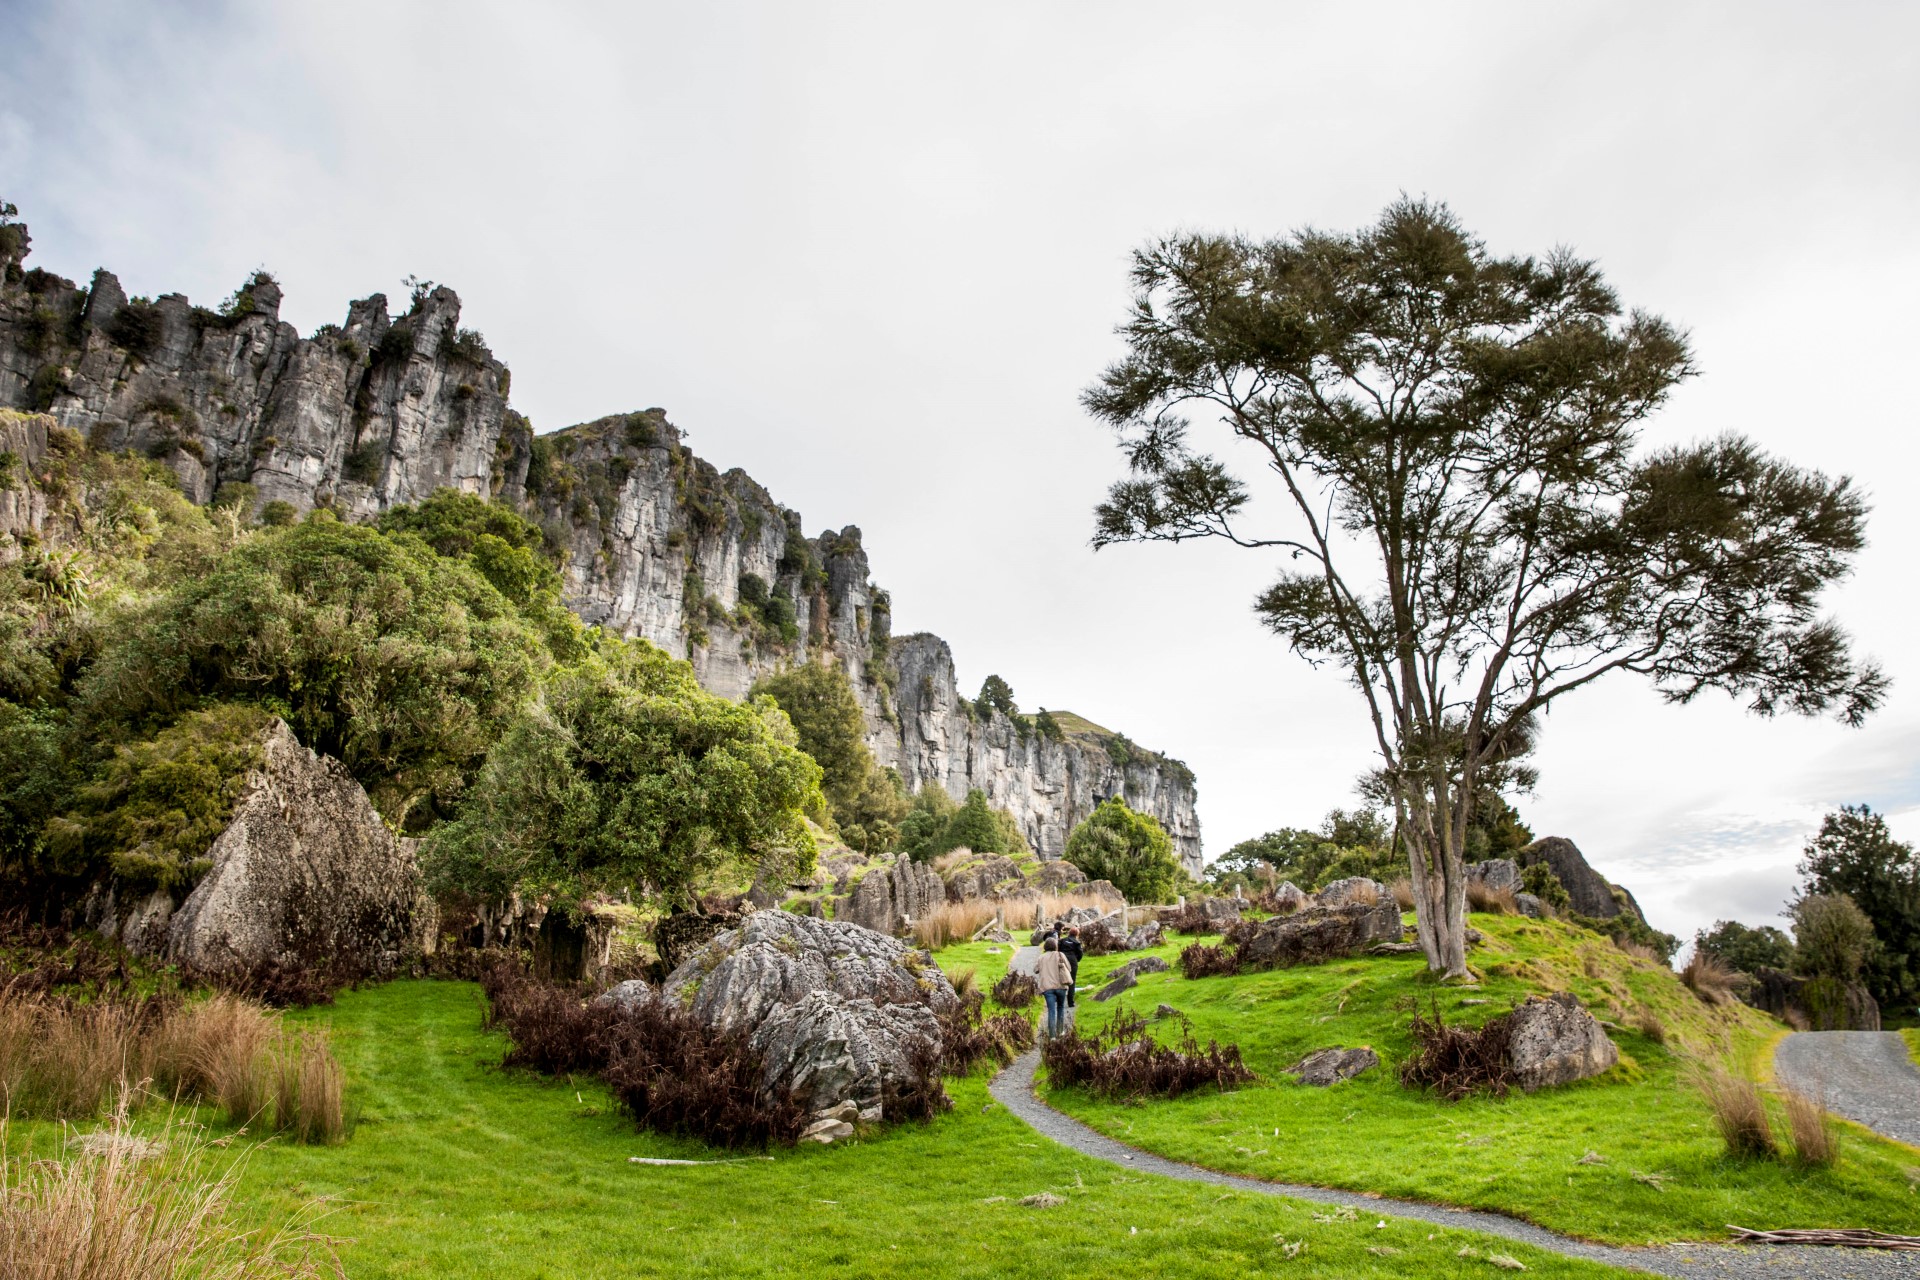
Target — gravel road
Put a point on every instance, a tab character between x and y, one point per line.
1013	1089
1863	1075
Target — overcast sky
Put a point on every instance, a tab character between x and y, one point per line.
872	253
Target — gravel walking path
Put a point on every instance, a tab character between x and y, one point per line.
1863	1075
1013	1089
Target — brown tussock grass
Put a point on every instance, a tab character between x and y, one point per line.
1707	978
115	1206
309	1096
1402	891
953	922
1816	1144
1499	902
1740	1114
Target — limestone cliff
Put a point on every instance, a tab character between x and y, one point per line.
384	409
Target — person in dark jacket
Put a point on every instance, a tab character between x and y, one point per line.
1070	948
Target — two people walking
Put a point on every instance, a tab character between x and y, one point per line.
1059	967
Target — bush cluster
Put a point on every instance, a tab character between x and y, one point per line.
1456	1062
1124	1061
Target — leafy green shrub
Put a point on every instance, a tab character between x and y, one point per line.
1743	949
157	805
1130	849
402	664
1831	936
628	775
1047	726
1855	854
1540	881
278	514
995	695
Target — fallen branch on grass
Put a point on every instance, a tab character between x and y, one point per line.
1850	1238
659	1160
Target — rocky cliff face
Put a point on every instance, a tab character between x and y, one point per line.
385	409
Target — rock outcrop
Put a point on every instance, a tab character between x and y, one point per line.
383	409
1495	874
1553	1040
305	874
890	898
1588	889
1361	890
1319	933
838	1012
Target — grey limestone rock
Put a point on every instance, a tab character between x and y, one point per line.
1495	874
1555	1041
627	995
981	879
1330	1066
829	1048
1353	889
889	899
1321	933
1531	906
1147	935
305	873
1124	980
772	959
1590	893
1290	897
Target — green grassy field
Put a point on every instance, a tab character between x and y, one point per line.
457	1168
1660	1172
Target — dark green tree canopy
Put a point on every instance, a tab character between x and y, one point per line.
1854	854
1130	849
996	695
819	700
403	664
1468	525
628	775
1746	949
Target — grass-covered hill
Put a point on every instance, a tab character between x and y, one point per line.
1630	1157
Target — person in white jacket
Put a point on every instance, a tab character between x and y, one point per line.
1055	978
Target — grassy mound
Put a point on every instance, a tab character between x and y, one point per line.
1658	1170
458	1168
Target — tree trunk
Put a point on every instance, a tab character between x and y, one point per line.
1439	891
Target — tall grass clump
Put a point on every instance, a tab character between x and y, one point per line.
1482	897
309	1095
1456	1062
1740	1114
1708	978
1815	1144
1402	891
953	922
114	1206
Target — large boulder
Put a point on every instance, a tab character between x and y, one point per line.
838	1011
1554	1040
1319	933
678	937
306	874
1589	891
982	878
830	1050
1352	891
1289	897
1495	874
1059	877
773	958
1147	935
889	898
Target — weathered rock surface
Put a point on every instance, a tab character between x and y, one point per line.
1147	935
1121	981
773	959
680	936
1556	1041
628	995
1330	1066
1531	906
1354	889
1320	933
384	409
1588	889
828	1048
304	874
982	879
837	1010
1811	1004
1143	964
1495	874
890	898
1289	897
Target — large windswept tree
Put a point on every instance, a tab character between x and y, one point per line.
1470	527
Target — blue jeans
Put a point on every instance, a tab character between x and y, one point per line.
1056	1012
